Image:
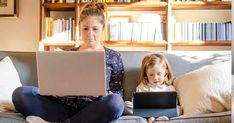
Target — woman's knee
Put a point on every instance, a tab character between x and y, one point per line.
115	104
21	94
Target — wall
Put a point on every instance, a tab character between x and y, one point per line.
22	33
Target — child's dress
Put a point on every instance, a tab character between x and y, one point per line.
152	88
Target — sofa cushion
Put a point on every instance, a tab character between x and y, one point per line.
9	117
25	64
9	80
222	117
205	90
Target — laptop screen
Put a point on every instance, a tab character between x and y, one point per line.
154	99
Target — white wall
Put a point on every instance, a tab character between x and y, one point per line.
22	33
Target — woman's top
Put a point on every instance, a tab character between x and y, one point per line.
152	88
114	78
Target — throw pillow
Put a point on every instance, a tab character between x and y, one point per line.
9	80
205	90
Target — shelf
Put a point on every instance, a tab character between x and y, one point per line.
135	43
201	5
60	43
167	9
59	6
138	6
201	43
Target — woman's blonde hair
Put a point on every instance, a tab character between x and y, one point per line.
94	9
152	60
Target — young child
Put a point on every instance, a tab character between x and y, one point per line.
156	75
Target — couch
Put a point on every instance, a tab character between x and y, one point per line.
181	62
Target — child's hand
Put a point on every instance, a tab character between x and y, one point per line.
151	120
110	92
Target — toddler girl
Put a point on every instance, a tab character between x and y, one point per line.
156	75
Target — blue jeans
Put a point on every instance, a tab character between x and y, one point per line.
28	101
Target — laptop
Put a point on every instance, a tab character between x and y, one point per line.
70	73
155	104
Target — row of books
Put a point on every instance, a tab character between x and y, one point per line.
198	0
59	1
203	31
124	1
110	1
59	29
137	31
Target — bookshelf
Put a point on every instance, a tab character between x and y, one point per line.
166	10
205	41
57	30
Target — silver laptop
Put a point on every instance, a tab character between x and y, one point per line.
70	73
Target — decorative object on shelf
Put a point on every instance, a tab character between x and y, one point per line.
9	8
150	18
120	19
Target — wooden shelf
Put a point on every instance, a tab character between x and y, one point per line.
138	6
60	6
60	43
135	43
165	7
201	5
201	43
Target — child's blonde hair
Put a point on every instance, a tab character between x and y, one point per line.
152	60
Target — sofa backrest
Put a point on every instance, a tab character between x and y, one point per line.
181	63
25	64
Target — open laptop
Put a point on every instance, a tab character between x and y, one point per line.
70	73
155	104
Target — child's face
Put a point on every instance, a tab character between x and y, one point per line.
156	75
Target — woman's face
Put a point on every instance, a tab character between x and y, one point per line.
91	31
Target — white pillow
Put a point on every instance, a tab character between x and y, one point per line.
9	80
205	90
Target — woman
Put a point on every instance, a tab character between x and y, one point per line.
79	109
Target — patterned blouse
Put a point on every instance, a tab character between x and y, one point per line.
114	78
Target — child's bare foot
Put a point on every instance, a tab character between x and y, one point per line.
151	120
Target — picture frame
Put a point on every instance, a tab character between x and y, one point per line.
114	19
9	8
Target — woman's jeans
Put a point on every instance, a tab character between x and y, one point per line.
28	101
